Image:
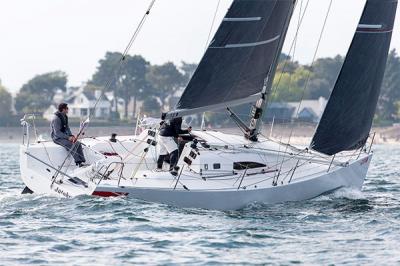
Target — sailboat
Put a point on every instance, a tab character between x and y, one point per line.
225	171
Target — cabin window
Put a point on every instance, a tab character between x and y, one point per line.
206	167
247	165
217	166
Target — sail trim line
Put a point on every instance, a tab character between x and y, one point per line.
242	19
244	45
370	26
374	31
190	111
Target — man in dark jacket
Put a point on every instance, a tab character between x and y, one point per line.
168	133
62	135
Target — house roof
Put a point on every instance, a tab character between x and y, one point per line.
316	106
89	95
308	108
279	105
109	95
307	112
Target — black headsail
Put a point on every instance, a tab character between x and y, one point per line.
244	50
347	119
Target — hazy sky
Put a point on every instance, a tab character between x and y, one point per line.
72	35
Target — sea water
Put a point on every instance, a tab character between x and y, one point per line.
346	227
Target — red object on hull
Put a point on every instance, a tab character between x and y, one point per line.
107	194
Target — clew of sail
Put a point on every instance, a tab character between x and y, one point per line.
241	55
347	119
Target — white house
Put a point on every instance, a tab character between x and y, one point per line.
83	104
49	113
120	102
310	110
306	110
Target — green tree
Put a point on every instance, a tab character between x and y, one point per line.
127	78
287	66
390	90
5	103
397	115
37	94
188	71
325	72
289	87
165	79
151	107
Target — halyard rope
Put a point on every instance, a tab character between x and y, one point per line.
109	83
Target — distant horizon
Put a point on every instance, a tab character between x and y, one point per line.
71	36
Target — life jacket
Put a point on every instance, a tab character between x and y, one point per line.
64	121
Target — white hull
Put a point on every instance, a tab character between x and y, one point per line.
196	187
352	177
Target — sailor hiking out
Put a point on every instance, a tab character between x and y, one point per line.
168	132
61	134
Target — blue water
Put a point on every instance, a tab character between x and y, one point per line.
347	227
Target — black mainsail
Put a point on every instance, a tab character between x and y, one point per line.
240	57
347	119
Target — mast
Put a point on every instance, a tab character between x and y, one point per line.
257	112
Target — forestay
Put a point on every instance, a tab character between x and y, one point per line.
347	119
241	55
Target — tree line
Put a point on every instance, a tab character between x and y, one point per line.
293	79
158	86
130	77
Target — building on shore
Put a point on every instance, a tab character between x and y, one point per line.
82	100
81	103
304	111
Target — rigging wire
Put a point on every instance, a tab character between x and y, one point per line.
291	80
292	45
126	51
312	64
109	82
212	24
293	56
208	41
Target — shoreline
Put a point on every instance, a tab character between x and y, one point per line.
300	134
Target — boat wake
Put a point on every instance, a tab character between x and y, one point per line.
348	193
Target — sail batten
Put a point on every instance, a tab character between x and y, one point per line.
240	56
347	119
241	45
242	19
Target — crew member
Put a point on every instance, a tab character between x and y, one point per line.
168	133
62	135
